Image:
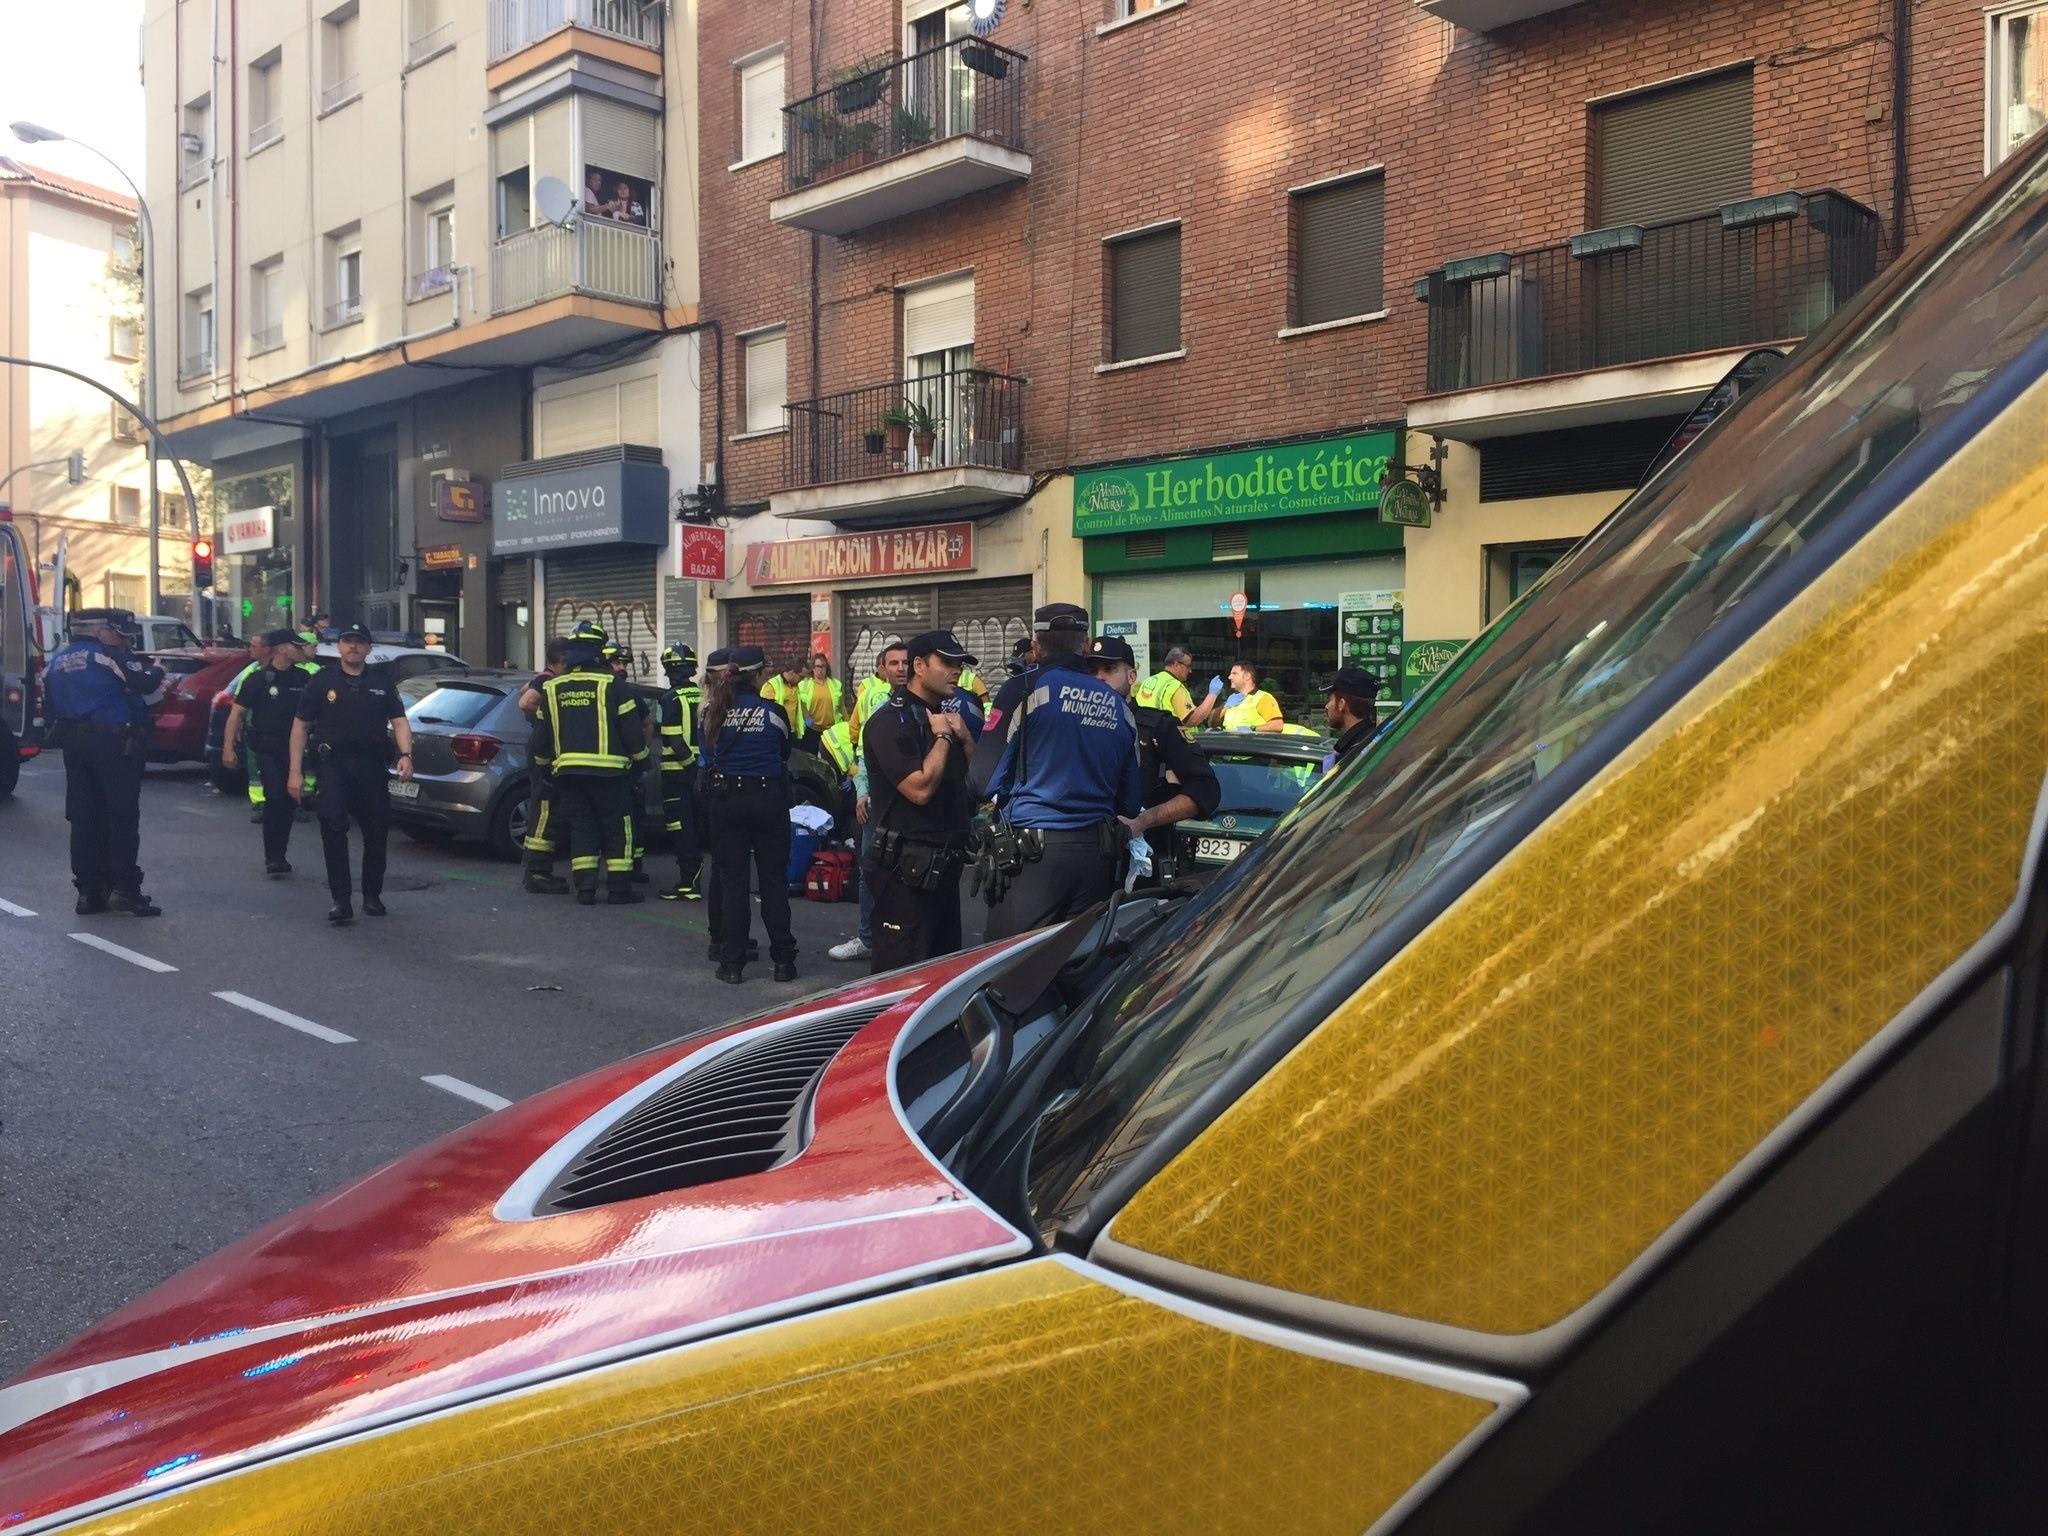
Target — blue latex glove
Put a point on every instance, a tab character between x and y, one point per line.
1215	686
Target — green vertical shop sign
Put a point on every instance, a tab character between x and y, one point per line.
1423	659
1333	474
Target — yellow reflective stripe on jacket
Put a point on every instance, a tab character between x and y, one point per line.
679	740
602	755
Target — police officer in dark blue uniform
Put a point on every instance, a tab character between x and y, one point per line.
1068	771
353	713
746	798
98	693
269	699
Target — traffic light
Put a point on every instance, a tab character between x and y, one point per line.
202	565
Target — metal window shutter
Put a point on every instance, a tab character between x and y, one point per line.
1145	295
781	626
761	108
618	588
513	580
576	423
640	411
510	146
1668	153
1339	243
767	381
938	317
870	620
1572	460
617	137
988	617
553	134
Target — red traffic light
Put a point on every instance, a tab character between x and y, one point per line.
202	549
202	565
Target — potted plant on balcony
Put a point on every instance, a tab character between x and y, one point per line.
912	127
851	145
896	426
924	427
859	85
985	59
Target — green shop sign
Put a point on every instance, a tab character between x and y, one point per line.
1335	474
1424	659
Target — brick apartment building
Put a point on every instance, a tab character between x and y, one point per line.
1170	273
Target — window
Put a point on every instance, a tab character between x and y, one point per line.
266	100
121	340
1676	150
2018	97
122	427
761	106
764	368
938	363
345	275
434	242
170	509
620	405
427	33
338	60
125	503
1140	7
1338	250
266	305
127	250
198	357
1144	294
195	142
515	202
125	590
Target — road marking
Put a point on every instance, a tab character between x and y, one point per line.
148	964
13	911
469	1091
289	1020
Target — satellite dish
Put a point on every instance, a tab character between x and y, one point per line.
553	200
983	15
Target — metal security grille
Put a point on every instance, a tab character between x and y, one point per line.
1339	244
513	580
781	626
616	587
1145	295
1610	457
988	617
1671	152
872	620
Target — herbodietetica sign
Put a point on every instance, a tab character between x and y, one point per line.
1334	474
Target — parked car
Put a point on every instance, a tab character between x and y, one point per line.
21	646
1612	1103
1262	775
147	632
192	679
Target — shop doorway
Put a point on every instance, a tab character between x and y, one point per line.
363	476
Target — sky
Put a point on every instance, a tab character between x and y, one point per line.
71	66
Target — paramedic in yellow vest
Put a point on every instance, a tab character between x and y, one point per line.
793	689
892	670
1167	689
819	697
970	682
1250	707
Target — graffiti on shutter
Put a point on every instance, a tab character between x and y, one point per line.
875	620
612	588
987	617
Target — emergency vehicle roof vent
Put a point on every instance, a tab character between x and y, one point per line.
744	1111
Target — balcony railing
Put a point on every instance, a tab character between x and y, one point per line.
263	135
968	87
430	42
197	364
843	437
517	24
1767	269
340	92
593	256
265	338
342	312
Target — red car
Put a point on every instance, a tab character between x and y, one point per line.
191	680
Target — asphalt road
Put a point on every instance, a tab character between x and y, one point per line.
147	1120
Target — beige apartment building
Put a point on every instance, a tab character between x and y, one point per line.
70	287
428	276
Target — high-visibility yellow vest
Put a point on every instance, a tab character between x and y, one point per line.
874	693
1162	690
971	681
839	747
679	736
1249	712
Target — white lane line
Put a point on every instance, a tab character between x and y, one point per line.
148	964
469	1091
289	1020
13	911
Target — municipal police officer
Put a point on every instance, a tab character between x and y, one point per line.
353	713
1067	773
1179	782
269	701
590	731
259	658
1056	629
676	719
919	815
98	693
746	793
546	834
717	682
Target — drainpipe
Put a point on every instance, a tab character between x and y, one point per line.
1902	38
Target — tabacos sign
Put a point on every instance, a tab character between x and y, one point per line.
1334	474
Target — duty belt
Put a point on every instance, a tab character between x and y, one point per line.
741	781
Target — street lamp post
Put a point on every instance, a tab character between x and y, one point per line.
31	133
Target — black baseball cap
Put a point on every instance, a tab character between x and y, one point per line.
1355	681
282	637
1022	647
356	631
1112	648
718	659
745	658
940	643
1069	617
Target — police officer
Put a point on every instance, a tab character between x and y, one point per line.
1179	782
269	701
590	731
919	815
1056	629
746	794
676	719
546	834
620	661
354	713
892	670
1067	773
1167	689
259	658
717	682
1347	705
98	693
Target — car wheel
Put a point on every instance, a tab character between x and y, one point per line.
10	762
508	826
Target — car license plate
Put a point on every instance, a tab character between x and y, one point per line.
402	789
1218	850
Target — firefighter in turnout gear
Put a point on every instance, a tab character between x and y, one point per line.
546	833
617	658
676	717
590	733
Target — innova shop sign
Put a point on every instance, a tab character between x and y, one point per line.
580	508
1332	474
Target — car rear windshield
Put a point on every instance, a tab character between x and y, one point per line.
1261	786
1633	597
181	666
461	705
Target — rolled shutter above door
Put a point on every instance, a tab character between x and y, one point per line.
1145	295
618	138
938	317
1680	150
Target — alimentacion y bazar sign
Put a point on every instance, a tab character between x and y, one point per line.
1332	474
854	556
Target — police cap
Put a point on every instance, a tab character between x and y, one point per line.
1354	681
1067	617
356	631
307	637
678	656
746	658
1112	649
718	660
281	637
940	643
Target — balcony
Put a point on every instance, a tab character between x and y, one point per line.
1491	15
337	94
591	256
519	24
265	338
1634	320
344	311
845	461
263	135
922	131
196	364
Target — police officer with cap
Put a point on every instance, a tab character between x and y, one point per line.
716	674
269	701
98	693
1067	772
1057	629
1349	696
676	721
1179	782
919	816
354	713
746	793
